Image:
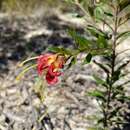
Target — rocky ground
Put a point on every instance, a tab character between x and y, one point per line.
66	106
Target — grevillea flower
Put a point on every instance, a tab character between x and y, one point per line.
50	64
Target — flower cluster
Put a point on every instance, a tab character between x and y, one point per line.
50	65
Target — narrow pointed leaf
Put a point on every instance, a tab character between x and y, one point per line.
123	65
72	62
108	14
80	41
100	81
124	34
61	50
103	67
98	94
88	58
123	4
96	32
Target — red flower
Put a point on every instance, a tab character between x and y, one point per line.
51	64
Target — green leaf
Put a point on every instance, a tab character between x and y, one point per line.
101	51
117	91
81	41
61	50
123	4
100	81
88	58
102	42
98	94
126	17
66	51
124	34
102	66
96	32
123	98
54	49
72	62
108	14
122	66
100	121
116	76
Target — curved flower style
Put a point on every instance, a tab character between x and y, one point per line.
51	65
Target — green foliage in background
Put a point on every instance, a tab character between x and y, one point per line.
27	6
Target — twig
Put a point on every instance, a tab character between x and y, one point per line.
107	24
123	22
123	51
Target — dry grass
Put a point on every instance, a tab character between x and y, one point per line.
28	6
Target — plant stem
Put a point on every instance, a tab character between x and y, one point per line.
113	57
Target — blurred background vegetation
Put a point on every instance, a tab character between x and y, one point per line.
30	6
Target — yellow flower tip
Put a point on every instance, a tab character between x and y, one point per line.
17	78
21	74
20	65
